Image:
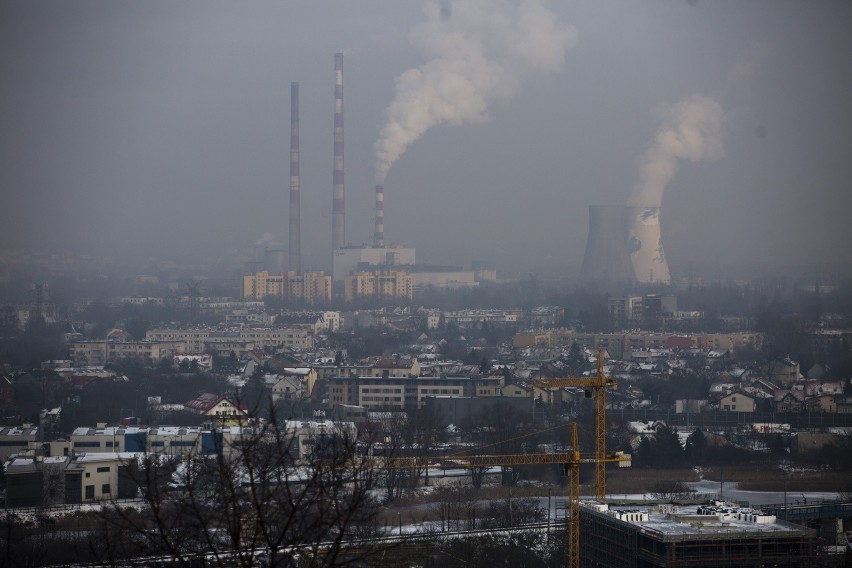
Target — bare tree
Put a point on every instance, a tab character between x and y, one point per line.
268	496
671	490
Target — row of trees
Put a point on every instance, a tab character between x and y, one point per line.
664	450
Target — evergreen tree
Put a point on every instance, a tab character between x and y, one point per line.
696	444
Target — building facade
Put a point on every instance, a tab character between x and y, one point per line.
702	537
378	393
388	285
309	288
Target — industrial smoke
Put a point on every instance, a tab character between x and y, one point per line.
478	51
691	130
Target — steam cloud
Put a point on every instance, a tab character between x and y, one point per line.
478	51
265	239
691	130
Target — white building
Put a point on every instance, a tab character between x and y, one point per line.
349	259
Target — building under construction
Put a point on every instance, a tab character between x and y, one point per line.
719	534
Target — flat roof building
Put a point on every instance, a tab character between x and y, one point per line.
716	534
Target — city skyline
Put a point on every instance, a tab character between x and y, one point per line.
161	130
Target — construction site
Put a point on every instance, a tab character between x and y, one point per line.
721	534
601	533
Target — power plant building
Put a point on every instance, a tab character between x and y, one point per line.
646	246
625	246
607	258
347	260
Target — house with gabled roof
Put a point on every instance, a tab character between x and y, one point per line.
215	406
738	401
790	400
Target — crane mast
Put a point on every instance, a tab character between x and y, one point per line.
599	385
571	459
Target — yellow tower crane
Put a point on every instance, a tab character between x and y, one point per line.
599	385
571	459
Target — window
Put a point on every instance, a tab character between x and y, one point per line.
90	491
105	489
87	444
158	443
103	469
88	474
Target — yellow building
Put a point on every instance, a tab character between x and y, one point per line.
100	352
310	288
381	284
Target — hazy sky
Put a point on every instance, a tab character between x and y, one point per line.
161	128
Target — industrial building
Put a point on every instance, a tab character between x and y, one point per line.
607	259
645	243
350	259
15	439
624	246
717	534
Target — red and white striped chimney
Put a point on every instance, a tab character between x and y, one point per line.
295	247
379	235
338	217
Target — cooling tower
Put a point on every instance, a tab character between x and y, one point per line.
646	246
295	184
607	259
338	216
379	235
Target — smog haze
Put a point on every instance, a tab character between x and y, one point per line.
161	129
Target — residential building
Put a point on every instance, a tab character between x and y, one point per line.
384	285
396	367
404	392
624	310
309	288
784	372
101	352
319	322
216	407
240	340
618	345
737	401
294	384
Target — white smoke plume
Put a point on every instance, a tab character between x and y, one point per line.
265	239
691	130
478	51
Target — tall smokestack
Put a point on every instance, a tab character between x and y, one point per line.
607	258
295	263
338	217
646	246
379	236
